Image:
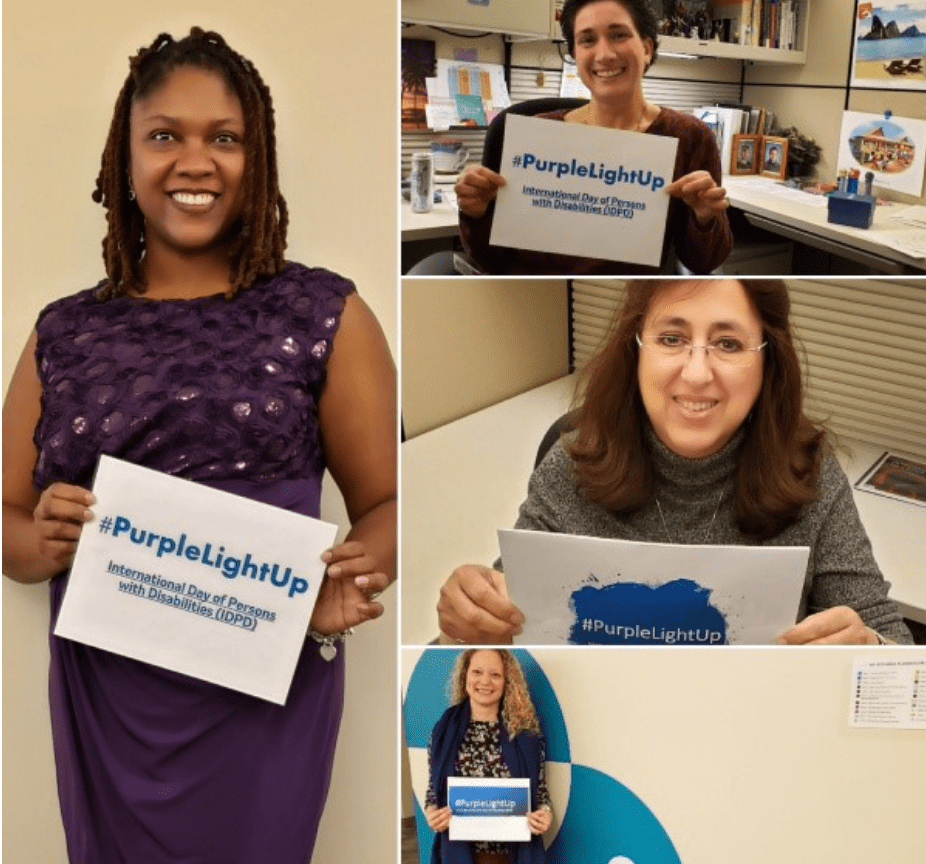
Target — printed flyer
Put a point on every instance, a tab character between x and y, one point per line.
195	580
486	808
594	591
583	190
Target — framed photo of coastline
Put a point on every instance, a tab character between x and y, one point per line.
889	46
744	154
773	161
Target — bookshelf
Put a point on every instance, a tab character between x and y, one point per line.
724	50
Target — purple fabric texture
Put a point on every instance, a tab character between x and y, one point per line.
154	766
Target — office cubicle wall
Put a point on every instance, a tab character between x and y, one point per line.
536	71
813	96
469	344
742	756
866	358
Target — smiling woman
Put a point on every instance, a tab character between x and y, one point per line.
490	730
689	428
204	354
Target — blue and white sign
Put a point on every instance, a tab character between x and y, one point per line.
484	808
195	580
596	591
583	190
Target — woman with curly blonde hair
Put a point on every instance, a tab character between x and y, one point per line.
490	730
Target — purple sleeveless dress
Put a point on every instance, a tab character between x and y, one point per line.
155	767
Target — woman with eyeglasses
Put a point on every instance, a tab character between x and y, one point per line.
689	428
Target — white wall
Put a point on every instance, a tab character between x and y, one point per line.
334	82
743	755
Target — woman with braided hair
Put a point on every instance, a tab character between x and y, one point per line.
206	355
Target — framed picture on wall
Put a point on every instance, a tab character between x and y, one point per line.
774	158
744	154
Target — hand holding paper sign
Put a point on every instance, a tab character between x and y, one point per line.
476	189
474	607
840	625
58	518
438	818
539	820
699	191
347	594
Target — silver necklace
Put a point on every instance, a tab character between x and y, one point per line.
709	527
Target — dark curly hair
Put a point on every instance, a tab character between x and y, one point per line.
644	19
782	449
257	248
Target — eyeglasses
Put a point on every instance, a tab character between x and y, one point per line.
727	349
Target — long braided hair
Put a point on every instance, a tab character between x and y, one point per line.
257	248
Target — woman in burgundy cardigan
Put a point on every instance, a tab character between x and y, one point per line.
614	42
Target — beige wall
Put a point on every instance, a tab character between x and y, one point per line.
467	344
744	756
333	88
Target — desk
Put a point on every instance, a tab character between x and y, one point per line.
460	483
463	481
441	221
780	210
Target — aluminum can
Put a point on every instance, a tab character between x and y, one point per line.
422	182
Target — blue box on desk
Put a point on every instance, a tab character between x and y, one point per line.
847	208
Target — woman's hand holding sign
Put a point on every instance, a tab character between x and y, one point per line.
476	188
474	607
347	596
59	517
699	191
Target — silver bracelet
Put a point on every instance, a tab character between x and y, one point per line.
327	642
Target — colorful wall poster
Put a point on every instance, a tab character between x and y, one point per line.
889	48
892	148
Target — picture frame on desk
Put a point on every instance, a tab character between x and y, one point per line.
744	153
774	161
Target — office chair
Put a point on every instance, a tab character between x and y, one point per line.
558	427
453	263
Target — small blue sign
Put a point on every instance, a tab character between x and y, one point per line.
488	800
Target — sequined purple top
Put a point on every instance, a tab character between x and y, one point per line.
209	389
154	766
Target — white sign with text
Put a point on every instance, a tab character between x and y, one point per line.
598	591
195	580
583	190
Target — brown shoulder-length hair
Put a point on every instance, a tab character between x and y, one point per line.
517	710
782	448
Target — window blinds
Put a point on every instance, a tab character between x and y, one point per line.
865	345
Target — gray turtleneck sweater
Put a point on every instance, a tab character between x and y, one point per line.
841	570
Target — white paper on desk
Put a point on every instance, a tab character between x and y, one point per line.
488	808
583	190
195	580
594	591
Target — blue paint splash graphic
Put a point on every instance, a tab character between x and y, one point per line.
631	613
